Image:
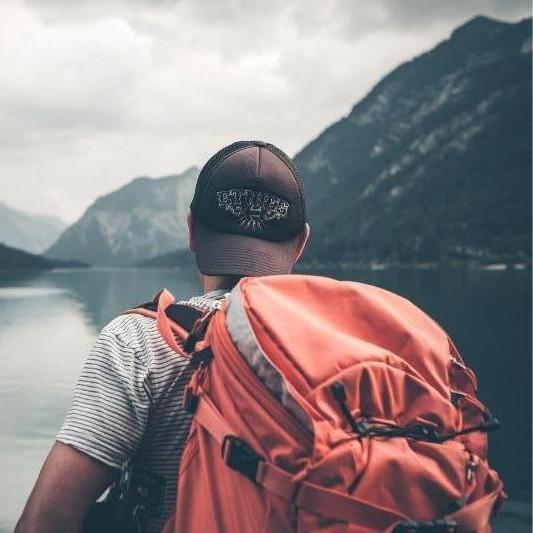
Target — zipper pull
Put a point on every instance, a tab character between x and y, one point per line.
337	389
471	466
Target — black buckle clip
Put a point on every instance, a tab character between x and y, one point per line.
198	331
190	400
490	422
441	525
238	455
202	356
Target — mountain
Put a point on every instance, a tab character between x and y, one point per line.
15	259
145	218
434	164
28	231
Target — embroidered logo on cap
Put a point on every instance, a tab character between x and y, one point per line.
253	208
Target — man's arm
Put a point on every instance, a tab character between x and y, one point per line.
102	430
69	483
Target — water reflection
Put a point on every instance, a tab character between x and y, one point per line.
43	339
49	320
103	293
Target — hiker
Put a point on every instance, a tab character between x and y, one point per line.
292	403
247	218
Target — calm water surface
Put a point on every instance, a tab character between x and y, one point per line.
49	321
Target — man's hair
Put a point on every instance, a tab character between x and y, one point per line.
227	281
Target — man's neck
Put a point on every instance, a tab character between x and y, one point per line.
214	283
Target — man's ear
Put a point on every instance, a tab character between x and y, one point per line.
302	241
192	232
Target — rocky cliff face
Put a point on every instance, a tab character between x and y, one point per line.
435	162
143	219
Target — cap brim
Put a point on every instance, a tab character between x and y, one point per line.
220	254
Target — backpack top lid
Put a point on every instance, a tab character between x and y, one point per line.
312	327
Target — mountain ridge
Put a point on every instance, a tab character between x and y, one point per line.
135	222
431	165
446	108
28	231
17	259
419	170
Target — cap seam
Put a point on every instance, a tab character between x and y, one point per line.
213	170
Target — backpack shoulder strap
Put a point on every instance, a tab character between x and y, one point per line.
172	319
182	314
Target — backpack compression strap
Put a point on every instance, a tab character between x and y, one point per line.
312	498
326	502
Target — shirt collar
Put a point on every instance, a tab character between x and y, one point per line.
216	294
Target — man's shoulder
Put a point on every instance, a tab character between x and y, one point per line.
132	330
135	329
128	323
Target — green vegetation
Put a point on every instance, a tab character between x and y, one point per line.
15	259
434	165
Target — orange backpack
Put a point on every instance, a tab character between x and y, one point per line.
328	406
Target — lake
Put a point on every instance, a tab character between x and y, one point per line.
48	322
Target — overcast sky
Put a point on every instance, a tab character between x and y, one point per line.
93	93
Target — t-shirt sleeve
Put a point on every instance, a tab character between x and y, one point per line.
109	413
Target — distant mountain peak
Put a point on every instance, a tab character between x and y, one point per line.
142	219
434	163
478	23
144	179
28	231
486	30
139	179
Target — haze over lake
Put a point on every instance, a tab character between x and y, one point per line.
48	322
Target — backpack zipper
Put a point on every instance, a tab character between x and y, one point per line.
246	375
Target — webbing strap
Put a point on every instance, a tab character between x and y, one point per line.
174	320
210	418
329	503
163	325
326	502
306	496
472	517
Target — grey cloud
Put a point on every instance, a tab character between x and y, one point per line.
83	9
409	13
356	19
93	93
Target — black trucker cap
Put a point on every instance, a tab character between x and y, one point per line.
248	207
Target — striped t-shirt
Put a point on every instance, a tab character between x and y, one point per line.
128	401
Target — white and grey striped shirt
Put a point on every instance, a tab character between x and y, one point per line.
128	401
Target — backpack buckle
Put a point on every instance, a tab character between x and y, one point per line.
190	400
202	356
239	456
198	331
